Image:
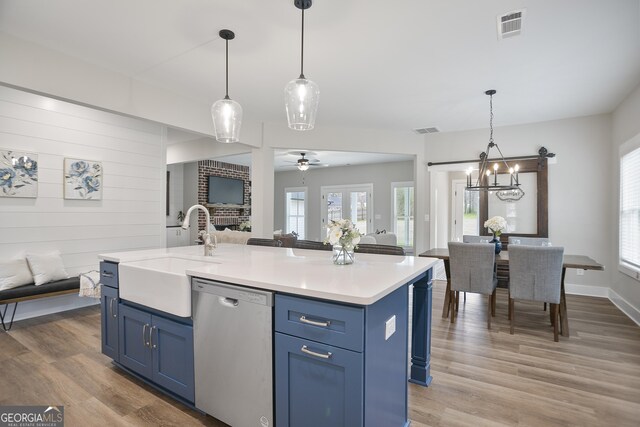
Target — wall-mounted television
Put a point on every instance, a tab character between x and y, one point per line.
225	191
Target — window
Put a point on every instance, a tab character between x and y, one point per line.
347	201
402	197
630	212
295	211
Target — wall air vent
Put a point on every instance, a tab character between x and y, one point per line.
510	24
423	131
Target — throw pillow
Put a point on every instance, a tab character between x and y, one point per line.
47	267
14	273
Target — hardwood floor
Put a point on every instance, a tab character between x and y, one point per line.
480	377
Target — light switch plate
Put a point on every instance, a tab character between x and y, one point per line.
377	216
390	327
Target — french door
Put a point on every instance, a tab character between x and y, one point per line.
354	202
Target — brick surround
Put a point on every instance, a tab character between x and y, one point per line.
223	216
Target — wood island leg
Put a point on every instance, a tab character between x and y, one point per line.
421	331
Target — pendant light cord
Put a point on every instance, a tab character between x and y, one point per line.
490	119
302	48
226	69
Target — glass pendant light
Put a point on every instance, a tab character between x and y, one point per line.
227	113
301	95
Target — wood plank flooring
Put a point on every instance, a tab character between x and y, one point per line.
480	377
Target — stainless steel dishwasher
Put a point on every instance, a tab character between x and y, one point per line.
232	330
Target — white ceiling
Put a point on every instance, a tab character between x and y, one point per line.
379	64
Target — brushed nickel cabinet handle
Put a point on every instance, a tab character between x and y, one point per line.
324	324
144	335
107	274
305	349
113	314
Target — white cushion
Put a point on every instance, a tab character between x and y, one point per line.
46	267
14	273
369	240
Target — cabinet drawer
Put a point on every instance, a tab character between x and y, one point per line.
109	274
334	324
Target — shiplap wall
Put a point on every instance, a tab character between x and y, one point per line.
131	214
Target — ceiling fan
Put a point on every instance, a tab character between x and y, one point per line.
303	162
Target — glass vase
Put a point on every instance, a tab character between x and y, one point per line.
343	254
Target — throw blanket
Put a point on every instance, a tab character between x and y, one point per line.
89	284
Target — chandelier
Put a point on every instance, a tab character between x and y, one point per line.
484	181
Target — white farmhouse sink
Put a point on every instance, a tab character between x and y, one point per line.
159	283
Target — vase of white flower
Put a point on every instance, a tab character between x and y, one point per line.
344	237
496	224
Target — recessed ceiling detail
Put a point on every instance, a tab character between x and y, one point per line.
510	24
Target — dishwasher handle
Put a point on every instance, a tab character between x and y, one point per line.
228	302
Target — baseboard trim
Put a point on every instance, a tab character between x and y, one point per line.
632	312
587	290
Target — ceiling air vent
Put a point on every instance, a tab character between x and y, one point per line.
422	131
510	24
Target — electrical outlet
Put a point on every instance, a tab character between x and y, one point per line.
390	327
580	272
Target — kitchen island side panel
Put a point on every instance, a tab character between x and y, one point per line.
386	361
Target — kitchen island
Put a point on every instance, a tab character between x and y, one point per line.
340	333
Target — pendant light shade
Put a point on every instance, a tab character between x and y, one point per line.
227	113
301	98
301	95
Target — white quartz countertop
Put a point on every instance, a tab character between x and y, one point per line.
295	271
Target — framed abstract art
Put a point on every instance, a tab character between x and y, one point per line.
82	179
18	174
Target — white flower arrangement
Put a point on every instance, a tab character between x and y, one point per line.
245	226
342	232
496	224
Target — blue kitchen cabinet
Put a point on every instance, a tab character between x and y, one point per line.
109	321
317	384
341	365
134	346
157	348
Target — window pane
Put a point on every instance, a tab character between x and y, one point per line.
403	215
295	201
359	210
334	206
630	208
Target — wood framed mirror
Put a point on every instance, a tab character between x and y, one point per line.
527	216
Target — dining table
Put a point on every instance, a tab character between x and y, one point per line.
569	261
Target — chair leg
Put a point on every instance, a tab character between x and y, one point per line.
453	306
509	304
512	309
457	300
493	303
489	306
465	297
3	314
545	307
554	311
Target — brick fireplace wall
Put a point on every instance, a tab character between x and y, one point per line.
223	216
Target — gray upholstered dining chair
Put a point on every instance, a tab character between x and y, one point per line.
535	274
470	238
379	249
254	241
528	241
472	267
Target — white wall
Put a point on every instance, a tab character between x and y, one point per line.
579	183
381	175
626	125
176	190
190	196
131	214
276	135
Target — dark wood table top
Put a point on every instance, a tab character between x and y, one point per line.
569	261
